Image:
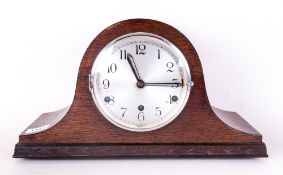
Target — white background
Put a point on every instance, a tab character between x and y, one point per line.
239	44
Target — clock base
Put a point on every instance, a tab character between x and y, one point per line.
138	150
42	148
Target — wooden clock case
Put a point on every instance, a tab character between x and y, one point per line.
80	130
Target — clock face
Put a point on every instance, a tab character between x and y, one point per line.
140	82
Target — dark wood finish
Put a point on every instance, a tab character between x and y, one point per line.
139	150
198	123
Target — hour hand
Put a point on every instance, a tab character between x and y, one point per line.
164	84
133	66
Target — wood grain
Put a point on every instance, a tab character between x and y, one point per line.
197	124
139	150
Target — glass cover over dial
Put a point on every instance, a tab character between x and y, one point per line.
140	82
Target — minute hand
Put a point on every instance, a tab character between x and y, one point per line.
164	84
133	66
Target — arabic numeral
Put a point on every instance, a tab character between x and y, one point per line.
109	100
124	110
112	68
141	116
140	49
123	54
157	112
170	66
106	83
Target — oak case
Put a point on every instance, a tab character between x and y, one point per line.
200	130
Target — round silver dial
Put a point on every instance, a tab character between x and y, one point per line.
140	82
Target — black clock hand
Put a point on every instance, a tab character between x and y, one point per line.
133	66
164	84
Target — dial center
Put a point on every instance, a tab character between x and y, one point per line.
140	84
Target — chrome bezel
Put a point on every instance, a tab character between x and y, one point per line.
161	41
